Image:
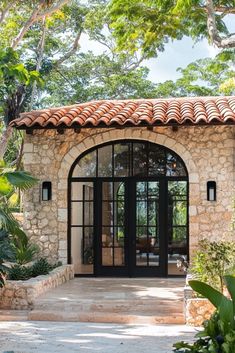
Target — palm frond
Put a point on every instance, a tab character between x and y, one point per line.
19	178
8	222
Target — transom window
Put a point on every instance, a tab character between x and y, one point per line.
127	159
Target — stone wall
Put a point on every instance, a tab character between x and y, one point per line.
20	295
208	153
196	310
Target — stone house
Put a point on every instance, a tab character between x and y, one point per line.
128	186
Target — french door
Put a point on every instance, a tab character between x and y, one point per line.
130	227
128	210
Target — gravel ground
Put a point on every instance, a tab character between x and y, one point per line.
68	337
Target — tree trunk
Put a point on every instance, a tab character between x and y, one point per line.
6	135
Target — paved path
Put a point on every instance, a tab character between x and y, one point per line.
58	337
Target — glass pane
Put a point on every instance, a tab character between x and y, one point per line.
107	191
153	189
107	213
88	213
119	213
141	190
107	237
174	166
141	213
122	159
107	246
86	166
139	159
77	213
177	187
81	191
118	246
105	161
157	160
82	250
152	213
119	191
179	213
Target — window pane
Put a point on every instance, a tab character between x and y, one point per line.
107	191
174	167
157	160
105	161
122	159
81	191
88	213
86	166
139	159
77	215
82	250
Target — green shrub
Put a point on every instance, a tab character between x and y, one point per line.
40	267
212	261
19	273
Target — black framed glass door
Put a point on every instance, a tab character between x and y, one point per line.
130	228
128	210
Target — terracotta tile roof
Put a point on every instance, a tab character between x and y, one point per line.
141	112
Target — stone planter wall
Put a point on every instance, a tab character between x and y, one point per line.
20	295
196	310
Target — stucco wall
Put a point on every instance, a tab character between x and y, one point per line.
208	153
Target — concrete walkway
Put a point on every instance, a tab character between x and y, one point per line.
54	337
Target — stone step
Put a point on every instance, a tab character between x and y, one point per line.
111	306
14	315
105	317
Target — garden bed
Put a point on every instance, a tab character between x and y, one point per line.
20	295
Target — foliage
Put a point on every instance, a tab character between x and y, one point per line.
6	254
212	261
149	25
24	250
218	335
11	181
19	273
14	78
40	267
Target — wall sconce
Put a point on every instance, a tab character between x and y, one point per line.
46	190
211	191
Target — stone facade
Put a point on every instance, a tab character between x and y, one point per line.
196	310
20	295
207	151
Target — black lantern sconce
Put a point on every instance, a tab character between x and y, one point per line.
46	190
211	191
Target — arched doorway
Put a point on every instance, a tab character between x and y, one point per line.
128	210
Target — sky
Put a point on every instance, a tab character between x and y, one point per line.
177	54
164	67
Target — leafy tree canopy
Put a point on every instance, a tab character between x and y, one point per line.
148	25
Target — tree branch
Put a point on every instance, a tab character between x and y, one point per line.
220	42
4	12
26	26
40	50
35	17
71	51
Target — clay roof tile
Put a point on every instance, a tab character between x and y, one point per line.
164	111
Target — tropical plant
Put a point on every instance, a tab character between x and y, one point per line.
24	250
218	335
40	267
11	181
212	261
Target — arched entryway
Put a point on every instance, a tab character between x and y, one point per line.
128	210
